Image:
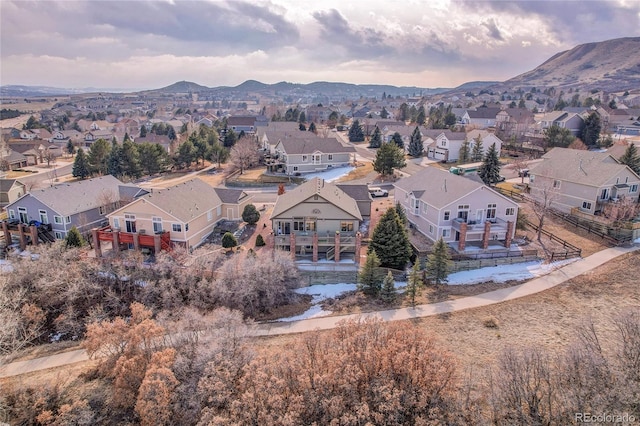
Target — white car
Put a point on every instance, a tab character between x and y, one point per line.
378	192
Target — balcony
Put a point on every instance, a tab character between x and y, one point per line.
497	225
144	240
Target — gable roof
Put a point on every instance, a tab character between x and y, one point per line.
7	184
316	186
184	201
358	192
77	197
310	144
241	120
488	112
230	196
585	167
439	188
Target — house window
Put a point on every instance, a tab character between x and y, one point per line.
176	227
219	211
316	158
310	225
101	209
157	224
116	222
295	168
604	195
305	158
346	226
446	233
586	205
330	157
424	207
209	216
186	227
463	212
130	222
44	218
510	211
556	184
298	225
491	211
12	214
447	215
67	219
634	188
431	229
58	235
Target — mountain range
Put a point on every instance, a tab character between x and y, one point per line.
612	65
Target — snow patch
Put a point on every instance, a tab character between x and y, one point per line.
330	175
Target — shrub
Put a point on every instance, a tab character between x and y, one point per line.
250	214
229	241
260	241
490	322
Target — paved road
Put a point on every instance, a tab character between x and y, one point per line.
534	286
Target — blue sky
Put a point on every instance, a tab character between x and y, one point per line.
439	43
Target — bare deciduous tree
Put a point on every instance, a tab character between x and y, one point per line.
244	154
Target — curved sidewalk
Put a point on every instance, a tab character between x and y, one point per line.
534	286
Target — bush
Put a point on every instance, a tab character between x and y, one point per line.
490	322
260	241
229	241
250	214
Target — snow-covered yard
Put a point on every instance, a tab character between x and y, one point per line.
330	175
502	273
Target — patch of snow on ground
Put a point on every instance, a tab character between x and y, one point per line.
504	273
330	175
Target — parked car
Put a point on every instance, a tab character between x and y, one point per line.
378	192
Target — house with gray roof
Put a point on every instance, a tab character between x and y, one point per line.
588	181
10	191
186	213
83	204
481	118
463	212
310	153
317	220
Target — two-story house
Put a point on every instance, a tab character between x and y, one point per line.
317	220
183	215
447	144
584	180
565	120
481	118
310	154
462	211
242	123
83	204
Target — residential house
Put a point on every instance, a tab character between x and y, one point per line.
242	123
10	133
162	140
36	151
61	137
361	194
462	211
28	134
481	118
10	191
183	215
269	136
445	146
317	219
585	180
12	159
565	120
514	122
92	136
310	154
83	204
317	114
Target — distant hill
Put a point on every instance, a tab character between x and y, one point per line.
182	87
18	91
612	65
475	85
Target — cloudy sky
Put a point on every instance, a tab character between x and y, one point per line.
139	44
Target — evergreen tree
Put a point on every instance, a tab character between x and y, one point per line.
388	157
98	154
81	165
356	134
416	147
250	214
114	161
631	158
489	171
229	240
414	283
302	127
131	160
230	138
421	117
71	149
74	238
388	292
153	158
439	262
376	139
555	136
390	241
384	113
591	130
464	154
397	140
401	213
186	155
260	241
369	278
302	118
312	128
143	131
477	150
171	133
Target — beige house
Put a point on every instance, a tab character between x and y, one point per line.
184	214
585	180
317	219
310	153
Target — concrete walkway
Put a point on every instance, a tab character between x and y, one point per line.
534	286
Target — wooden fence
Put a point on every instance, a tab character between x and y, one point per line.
570	251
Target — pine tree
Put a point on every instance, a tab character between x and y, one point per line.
71	149
401	213
390	241
114	161
397	139
421	117
312	128
81	165
260	241
388	292
388	157
131	160
369	278
97	156
414	284
250	214
143	131
464	154
631	158
229	240
74	238
489	172
591	130
439	262
356	134
376	139
416	147
476	152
